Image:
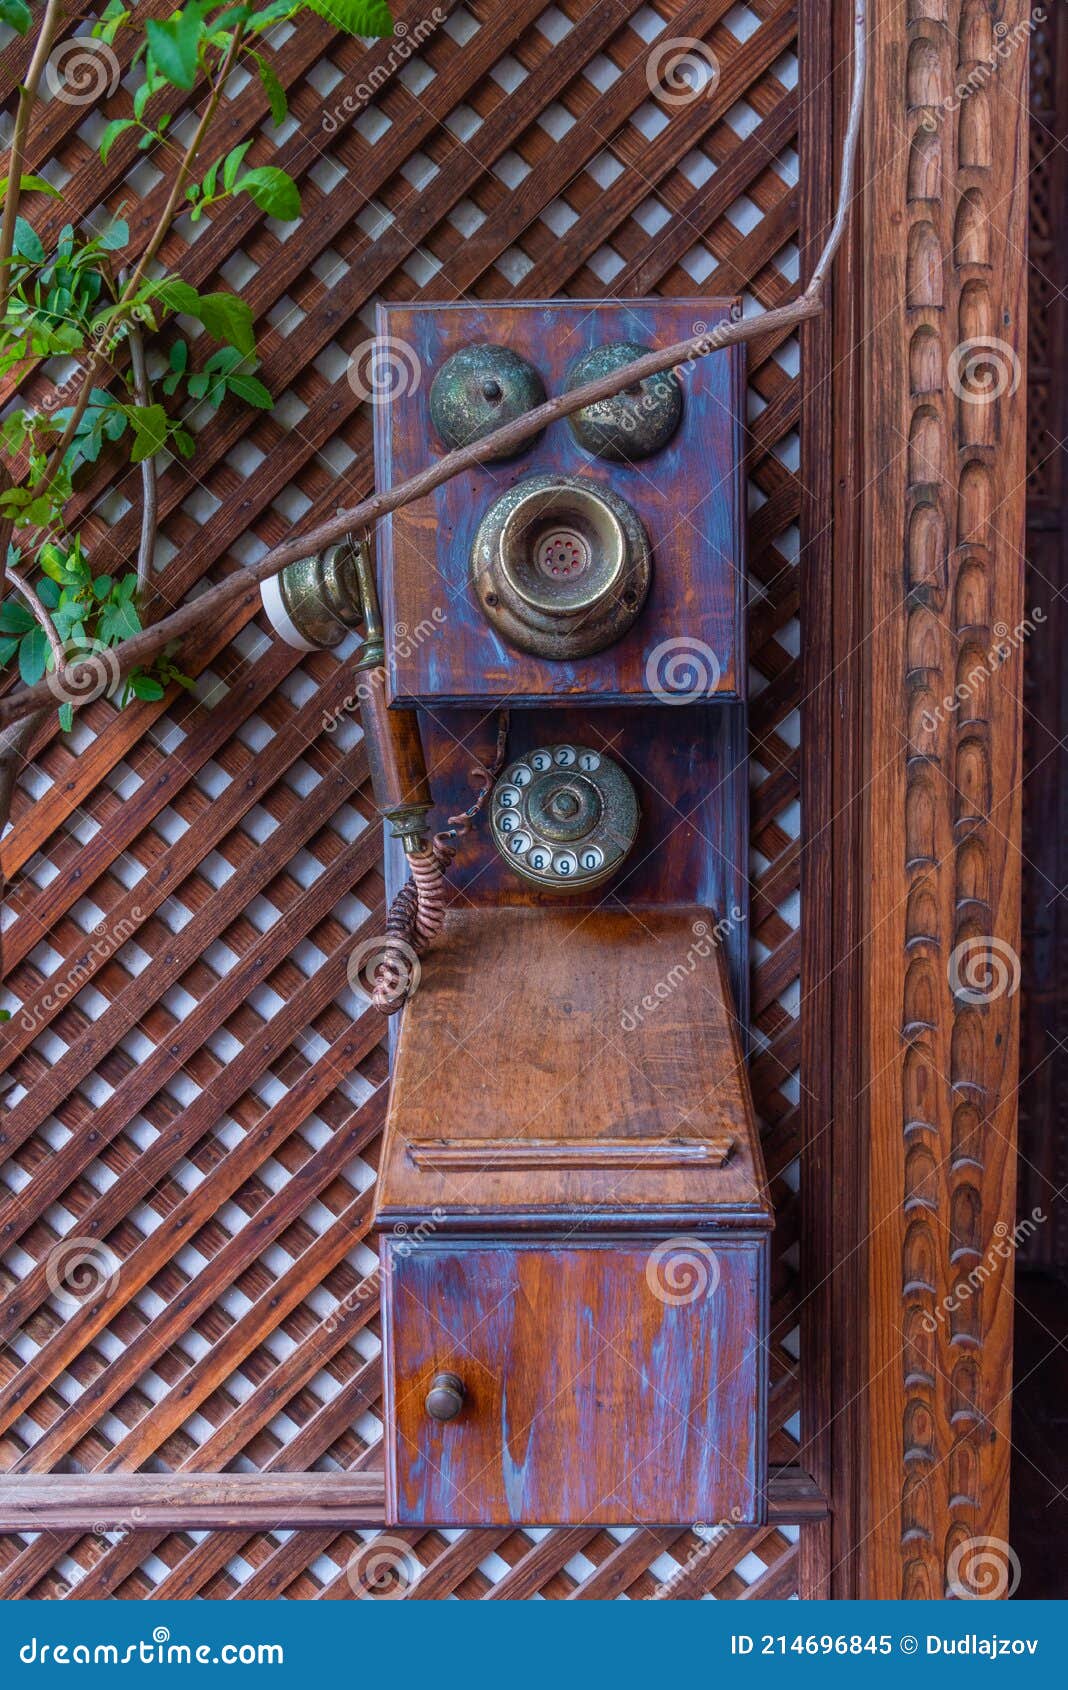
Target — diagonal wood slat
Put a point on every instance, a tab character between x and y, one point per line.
196	1090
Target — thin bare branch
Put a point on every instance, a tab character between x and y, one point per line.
143	647
27	98
850	147
40	614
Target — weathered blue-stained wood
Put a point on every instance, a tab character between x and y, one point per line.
689	496
599	1384
610	1325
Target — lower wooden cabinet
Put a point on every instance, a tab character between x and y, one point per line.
574	1226
622	1382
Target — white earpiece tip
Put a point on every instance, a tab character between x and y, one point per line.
279	617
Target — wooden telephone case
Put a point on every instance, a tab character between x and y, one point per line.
572	1211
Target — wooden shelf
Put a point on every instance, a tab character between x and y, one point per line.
513	1067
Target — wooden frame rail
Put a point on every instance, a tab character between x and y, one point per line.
110	1502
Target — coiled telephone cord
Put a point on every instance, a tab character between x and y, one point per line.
417	913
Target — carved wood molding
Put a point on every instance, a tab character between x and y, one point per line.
941	525
463	1154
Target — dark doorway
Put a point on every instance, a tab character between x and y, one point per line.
1039	1527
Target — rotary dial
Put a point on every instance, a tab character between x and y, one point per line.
564	816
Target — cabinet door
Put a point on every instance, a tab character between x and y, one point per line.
621	1383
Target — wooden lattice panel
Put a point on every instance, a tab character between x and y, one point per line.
197	1090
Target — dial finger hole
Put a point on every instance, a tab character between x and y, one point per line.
520	842
541	760
520	775
591	858
507	797
539	859
564	756
565	864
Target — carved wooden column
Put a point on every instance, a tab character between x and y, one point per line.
919	722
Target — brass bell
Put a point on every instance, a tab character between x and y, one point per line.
479	389
633	424
313	603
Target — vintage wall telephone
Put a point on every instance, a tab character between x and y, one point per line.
571	1205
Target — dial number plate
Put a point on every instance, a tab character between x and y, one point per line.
564	817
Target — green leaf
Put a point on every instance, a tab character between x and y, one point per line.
15	618
227	318
268	15
112	133
251	391
207	187
176	295
48	593
185	442
142	96
174	44
33	657
150	426
272	190
232	166
53	562
110	21
31	185
28	242
8	648
358	17
232	15
115	236
276	94
16	13
118	621
143	686
66	717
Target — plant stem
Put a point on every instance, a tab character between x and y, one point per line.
41	616
27	98
149	492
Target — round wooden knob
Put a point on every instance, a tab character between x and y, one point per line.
445	1397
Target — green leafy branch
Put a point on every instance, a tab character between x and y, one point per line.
71	300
